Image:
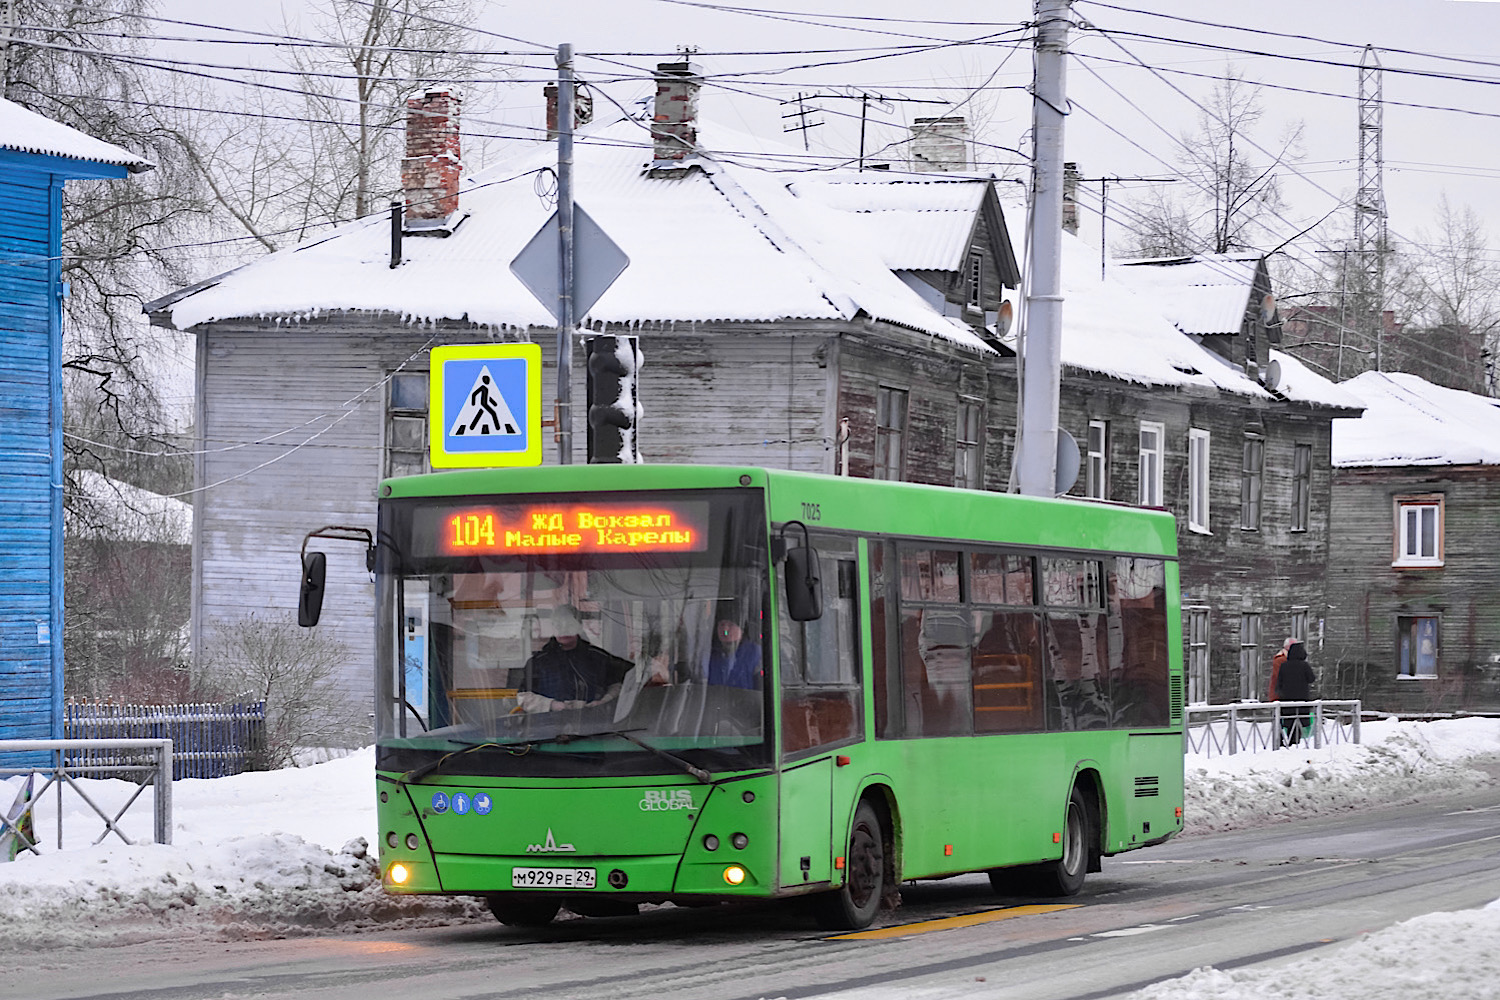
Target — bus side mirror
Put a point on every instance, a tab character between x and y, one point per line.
310	600
804	585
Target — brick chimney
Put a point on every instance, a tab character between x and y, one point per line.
432	166
583	108
674	124
940	145
1070	198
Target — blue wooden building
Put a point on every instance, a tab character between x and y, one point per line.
37	156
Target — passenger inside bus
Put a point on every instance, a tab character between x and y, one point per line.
569	672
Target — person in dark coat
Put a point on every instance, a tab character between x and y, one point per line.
569	671
1294	682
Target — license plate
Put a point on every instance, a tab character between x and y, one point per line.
552	878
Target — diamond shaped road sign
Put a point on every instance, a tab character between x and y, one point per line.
597	262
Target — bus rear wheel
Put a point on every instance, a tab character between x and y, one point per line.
1064	877
853	905
524	911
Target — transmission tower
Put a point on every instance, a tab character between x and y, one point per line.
1369	204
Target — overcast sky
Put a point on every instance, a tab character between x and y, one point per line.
1125	118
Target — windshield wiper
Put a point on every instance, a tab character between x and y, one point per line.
421	772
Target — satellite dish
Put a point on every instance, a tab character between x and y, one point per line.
1067	462
1005	319
1273	375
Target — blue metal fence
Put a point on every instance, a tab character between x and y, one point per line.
208	741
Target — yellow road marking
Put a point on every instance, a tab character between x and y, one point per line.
947	923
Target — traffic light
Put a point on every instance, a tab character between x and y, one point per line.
614	401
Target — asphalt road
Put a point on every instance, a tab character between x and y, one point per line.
1246	898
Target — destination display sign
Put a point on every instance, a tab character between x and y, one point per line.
515	529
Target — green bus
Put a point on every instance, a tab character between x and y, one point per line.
599	686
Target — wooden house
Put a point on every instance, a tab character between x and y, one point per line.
1413	584
37	157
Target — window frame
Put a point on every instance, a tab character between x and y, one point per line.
1301	486
1150	490
974	282
968	455
1400	559
1252	482
1406	626
1250	677
1199	453
1198	655
889	436
395	412
1096	464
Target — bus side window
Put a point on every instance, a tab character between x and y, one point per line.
937	640
1007	661
820	699
1138	601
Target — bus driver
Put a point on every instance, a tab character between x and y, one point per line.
569	671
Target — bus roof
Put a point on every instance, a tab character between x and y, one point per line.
873	506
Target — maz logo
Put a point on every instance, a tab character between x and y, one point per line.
550	846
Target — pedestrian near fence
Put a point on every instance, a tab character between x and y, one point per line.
1294	682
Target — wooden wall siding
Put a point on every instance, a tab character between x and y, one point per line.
1367	594
30	527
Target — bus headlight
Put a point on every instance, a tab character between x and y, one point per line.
399	874
734	874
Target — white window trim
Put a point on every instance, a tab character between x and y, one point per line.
1101	457
1198	480
1153	498
1399	556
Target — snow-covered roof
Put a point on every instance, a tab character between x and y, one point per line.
28	132
727	242
1121	332
1410	421
914	223
110	509
1204	295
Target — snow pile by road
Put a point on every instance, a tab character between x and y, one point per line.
1396	762
286	852
1447	955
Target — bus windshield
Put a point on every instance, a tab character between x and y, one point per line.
531	632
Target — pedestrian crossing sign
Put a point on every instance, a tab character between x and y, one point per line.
485	406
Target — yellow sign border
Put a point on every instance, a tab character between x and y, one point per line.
437	430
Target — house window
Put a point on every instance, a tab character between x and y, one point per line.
1417	639
1301	486
1252	471
890	432
1419	531
1299	624
1151	462
1198	480
968	466
406	425
1197	656
975	288
1250	685
1096	472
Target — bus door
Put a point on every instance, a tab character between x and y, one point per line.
414	648
822	701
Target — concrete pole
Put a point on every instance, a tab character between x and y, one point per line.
1042	336
565	317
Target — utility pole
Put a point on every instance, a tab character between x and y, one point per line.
1042	335
1369	202
802	123
565	317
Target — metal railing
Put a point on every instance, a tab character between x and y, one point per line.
1254	726
149	760
208	740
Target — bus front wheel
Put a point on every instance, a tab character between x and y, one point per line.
524	911
853	905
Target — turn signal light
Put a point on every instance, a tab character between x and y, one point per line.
734	875
398	873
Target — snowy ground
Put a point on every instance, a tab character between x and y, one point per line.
280	853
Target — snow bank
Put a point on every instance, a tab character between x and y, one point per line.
1448	955
1397	762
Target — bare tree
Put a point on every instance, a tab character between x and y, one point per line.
1232	198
